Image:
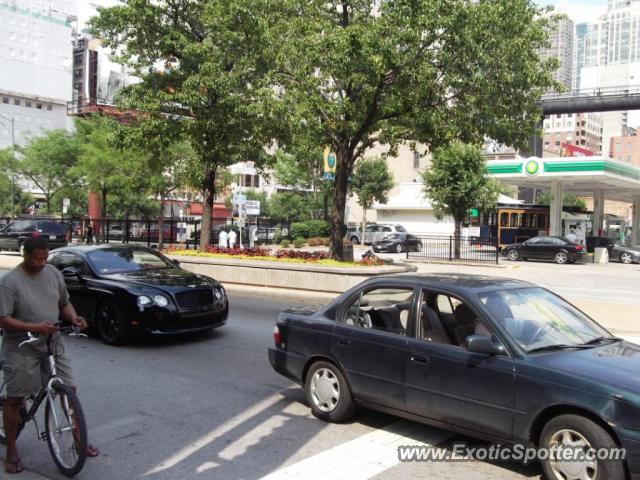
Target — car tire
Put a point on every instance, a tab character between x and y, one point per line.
513	254
399	248
561	258
110	323
577	431
328	393
626	258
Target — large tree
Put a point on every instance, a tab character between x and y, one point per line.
48	161
202	71
457	182
371	182
354	73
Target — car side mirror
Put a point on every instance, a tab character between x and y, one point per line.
482	343
72	272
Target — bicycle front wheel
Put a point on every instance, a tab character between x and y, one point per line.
66	430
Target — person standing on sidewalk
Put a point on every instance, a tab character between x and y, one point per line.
32	297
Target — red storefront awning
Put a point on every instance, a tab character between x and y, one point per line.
219	210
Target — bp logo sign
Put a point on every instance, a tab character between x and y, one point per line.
532	167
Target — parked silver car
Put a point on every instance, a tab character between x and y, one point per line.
373	233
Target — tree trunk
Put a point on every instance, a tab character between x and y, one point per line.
336	250
97	228
364	224
161	222
48	199
325	205
456	239
207	209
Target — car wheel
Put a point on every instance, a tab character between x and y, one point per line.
579	435
626	257
328	393
561	258
354	240
399	248
110	323
513	255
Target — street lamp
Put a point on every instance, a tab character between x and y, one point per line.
13	154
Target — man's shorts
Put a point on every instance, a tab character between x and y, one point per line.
25	372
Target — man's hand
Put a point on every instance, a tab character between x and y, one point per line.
44	328
79	322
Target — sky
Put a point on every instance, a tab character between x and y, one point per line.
579	11
86	9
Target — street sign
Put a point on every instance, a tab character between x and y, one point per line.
65	208
66	202
252	207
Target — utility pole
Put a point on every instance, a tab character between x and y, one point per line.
13	157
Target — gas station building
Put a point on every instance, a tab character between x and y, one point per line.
597	177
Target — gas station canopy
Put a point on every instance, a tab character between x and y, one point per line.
598	177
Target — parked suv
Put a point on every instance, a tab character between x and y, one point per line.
373	233
15	233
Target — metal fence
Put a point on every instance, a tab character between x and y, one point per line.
183	232
443	247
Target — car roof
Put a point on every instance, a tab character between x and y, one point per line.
104	246
462	282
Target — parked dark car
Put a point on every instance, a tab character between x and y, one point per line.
398	242
620	253
497	359
126	289
15	233
547	247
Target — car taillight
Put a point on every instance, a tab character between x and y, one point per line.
35	233
579	248
276	336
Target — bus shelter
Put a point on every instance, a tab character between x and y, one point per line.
598	177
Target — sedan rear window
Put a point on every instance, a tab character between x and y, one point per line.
107	261
52	227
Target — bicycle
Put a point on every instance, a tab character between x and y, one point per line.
65	426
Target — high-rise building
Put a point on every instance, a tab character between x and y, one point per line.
35	61
568	134
561	47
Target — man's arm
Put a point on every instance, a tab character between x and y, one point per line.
14	325
70	315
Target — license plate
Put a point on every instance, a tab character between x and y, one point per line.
52	237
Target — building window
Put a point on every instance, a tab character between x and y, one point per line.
16	101
49	106
416	160
27	103
5	99
39	106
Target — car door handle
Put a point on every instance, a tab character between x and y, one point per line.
419	359
344	342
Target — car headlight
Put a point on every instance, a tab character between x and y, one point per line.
161	300
143	301
219	294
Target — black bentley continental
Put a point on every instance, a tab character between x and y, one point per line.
123	290
496	359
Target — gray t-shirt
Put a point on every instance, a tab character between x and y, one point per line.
32	298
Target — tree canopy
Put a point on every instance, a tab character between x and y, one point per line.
202	74
457	182
356	73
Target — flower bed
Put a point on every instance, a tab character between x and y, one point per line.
282	255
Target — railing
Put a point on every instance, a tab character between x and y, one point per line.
456	249
592	92
88	105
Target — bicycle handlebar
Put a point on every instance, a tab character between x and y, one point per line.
69	330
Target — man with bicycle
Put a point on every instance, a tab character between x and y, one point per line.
32	297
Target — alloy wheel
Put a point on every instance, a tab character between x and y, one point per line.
626	258
325	390
513	255
561	257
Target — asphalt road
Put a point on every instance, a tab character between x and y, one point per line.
210	407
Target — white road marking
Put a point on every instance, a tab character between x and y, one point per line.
363	457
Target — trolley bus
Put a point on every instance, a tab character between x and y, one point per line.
515	223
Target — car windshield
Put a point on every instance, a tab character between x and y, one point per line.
121	260
536	318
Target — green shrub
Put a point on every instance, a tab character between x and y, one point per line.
299	230
277	238
285	243
318	228
298	242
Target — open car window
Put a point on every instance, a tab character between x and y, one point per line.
383	309
124	260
